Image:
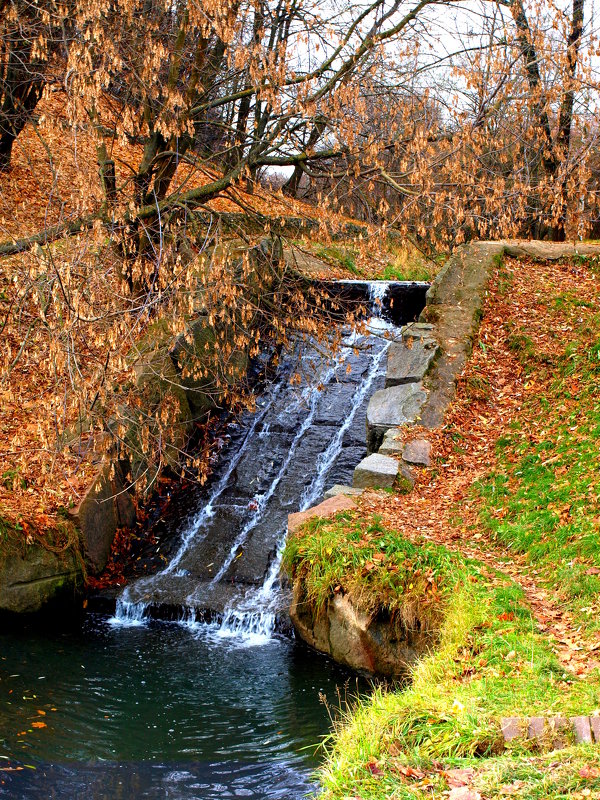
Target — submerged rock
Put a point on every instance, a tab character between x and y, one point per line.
368	642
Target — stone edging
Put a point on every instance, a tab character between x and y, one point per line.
422	370
554	730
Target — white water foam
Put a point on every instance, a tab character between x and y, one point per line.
377	293
128	614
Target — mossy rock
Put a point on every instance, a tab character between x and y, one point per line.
31	580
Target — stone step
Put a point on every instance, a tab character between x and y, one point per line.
339	488
375	472
419	331
392	444
391	408
409	361
556	731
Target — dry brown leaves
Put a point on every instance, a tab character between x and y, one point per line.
54	178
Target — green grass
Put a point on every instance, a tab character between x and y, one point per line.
543	497
391	261
490	664
407	264
344	257
380	568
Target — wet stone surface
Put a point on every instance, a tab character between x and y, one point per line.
302	440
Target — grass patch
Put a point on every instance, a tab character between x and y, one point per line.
338	256
543	497
405	263
376	260
381	569
490	663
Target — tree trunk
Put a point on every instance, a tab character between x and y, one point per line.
6	145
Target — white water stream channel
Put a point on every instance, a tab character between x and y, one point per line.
245	608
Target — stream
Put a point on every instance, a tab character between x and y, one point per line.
189	690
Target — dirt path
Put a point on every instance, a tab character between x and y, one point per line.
577	650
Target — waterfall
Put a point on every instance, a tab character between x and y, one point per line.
130	613
285	458
255	614
377	293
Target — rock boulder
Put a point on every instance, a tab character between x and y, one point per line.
375	472
327	508
29	582
417	452
370	643
391	408
408	361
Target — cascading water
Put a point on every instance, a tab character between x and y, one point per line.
226	569
377	293
133	613
255	614
188	711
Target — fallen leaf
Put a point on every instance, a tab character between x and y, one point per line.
463	793
589	772
410	772
459	777
512	788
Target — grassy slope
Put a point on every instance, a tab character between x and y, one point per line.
532	514
371	259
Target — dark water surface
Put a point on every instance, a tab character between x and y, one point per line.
160	711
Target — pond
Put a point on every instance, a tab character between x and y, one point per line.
160	711
135	707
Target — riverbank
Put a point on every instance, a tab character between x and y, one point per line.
514	491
